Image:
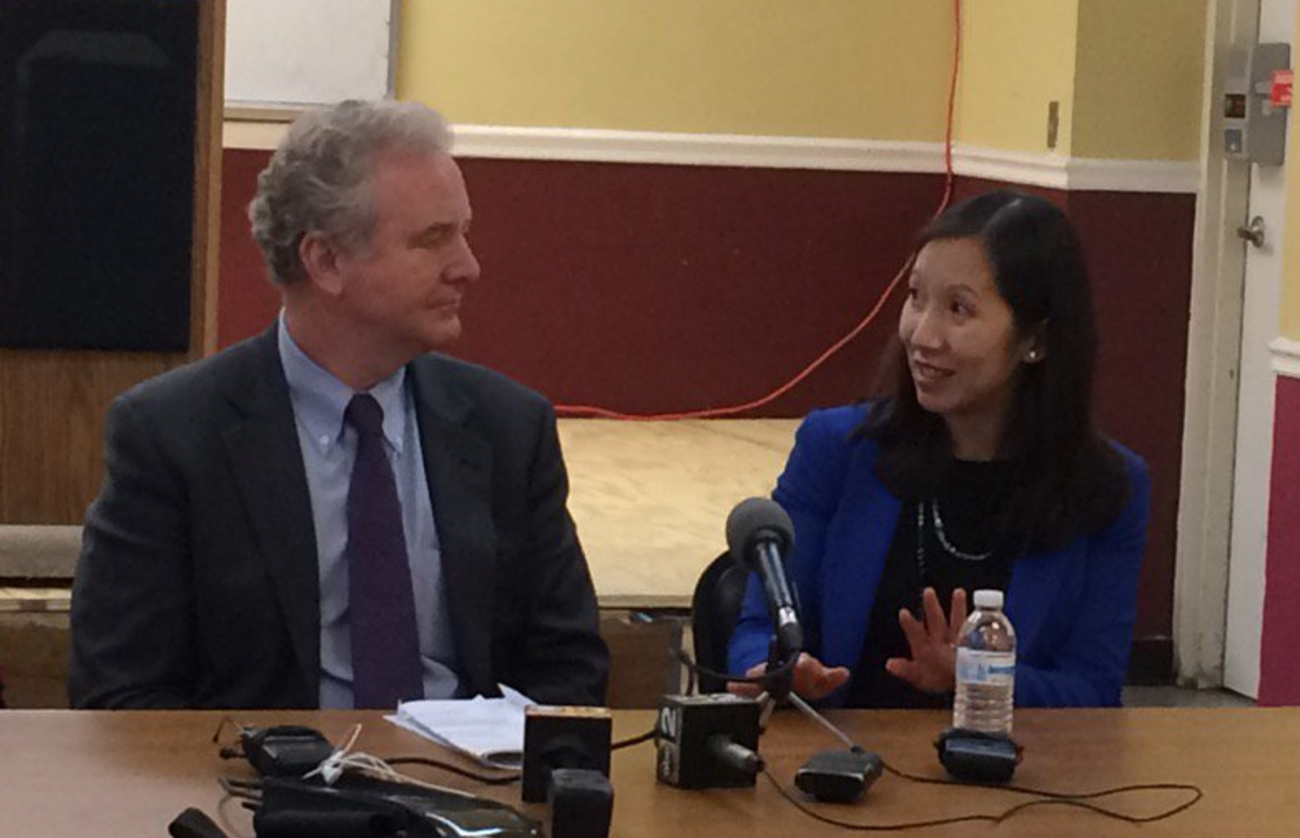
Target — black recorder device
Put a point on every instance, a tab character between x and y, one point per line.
707	741
563	738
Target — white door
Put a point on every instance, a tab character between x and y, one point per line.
1254	446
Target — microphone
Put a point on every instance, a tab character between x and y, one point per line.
734	755
759	534
707	741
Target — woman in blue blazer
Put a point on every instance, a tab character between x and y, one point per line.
978	467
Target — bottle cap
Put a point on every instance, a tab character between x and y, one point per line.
988	599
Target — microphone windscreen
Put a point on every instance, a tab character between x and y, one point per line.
754	519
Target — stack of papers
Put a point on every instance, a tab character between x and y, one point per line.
491	730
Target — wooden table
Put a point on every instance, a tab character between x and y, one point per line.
66	773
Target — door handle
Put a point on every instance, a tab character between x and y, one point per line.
1253	232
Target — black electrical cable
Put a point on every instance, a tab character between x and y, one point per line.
1082	802
248	785
1078	801
868	827
1047	793
489	779
240	789
1045	797
635	740
691	679
763	678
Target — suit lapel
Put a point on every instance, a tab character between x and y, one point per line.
458	468
267	463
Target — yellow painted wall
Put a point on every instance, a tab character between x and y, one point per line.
874	69
1017	56
1289	325
1126	73
1138	79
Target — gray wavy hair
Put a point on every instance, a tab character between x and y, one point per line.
318	179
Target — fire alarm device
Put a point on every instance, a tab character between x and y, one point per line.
1255	98
1279	93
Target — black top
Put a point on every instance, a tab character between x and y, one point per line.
959	557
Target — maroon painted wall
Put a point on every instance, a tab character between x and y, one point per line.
246	301
1279	656
1139	250
649	288
654	288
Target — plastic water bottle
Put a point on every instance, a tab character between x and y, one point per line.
986	668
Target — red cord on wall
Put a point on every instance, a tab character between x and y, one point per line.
575	410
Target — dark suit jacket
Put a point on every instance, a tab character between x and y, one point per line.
1072	609
197	584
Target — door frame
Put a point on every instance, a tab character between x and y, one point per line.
1213	361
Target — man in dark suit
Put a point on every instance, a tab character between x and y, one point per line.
328	514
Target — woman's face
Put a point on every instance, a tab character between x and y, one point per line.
959	334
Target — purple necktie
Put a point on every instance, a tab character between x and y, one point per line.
386	664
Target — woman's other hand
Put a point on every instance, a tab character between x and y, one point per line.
812	679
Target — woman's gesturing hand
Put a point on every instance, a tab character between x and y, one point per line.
933	643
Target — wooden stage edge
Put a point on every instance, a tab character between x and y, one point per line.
650	501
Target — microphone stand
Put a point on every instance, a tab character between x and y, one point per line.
777	687
780	660
809	711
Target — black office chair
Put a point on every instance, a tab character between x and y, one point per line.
715	608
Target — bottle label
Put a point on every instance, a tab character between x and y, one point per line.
995	669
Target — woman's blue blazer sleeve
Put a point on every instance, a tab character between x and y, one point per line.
809	490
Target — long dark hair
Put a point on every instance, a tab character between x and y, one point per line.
1065	477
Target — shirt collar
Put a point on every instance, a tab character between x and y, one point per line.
319	399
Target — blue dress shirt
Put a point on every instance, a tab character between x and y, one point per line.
328	449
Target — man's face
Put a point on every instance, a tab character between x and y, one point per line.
403	289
